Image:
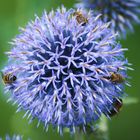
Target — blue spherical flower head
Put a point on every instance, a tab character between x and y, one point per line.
122	13
14	137
64	64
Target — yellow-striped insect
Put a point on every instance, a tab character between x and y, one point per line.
80	18
8	78
116	78
117	107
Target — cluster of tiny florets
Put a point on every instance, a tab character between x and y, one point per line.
63	67
122	13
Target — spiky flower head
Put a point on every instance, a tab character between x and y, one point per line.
122	13
14	137
63	63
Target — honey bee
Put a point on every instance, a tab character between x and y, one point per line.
117	104
8	78
80	18
115	78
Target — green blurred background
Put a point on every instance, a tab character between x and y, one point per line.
15	13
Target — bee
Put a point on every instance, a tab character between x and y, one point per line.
117	104
8	78
115	78
80	18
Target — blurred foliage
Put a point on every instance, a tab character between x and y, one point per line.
15	13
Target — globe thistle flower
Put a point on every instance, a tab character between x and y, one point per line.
122	13
14	137
64	64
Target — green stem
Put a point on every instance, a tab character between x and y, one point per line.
79	135
102	132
